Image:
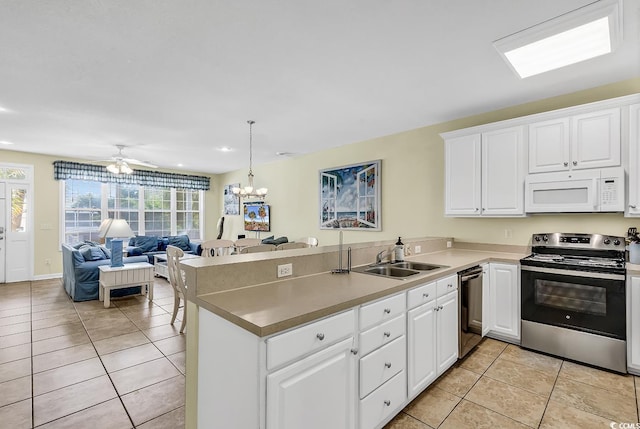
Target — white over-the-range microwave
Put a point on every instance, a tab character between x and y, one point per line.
594	190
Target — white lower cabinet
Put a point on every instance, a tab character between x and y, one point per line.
316	392
383	402
504	301
432	334
421	349
447	331
633	324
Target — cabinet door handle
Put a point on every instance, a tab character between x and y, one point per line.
449	285
632	206
440	307
354	351
476	209
320	336
426	295
387	310
387	334
566	164
387	364
387	403
575	162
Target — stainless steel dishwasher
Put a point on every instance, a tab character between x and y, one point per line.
469	309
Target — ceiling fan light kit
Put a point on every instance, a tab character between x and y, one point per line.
250	191
120	164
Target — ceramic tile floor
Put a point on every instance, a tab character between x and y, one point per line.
66	364
79	365
500	385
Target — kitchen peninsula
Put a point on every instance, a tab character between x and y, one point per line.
270	350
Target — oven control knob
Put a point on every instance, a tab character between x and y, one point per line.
537	238
568	317
606	241
545	238
616	242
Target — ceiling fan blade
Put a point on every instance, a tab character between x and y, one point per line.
138	162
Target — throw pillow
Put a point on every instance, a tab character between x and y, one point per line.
180	241
281	240
133	251
268	240
107	252
91	253
162	243
148	243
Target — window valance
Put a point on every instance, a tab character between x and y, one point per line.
63	170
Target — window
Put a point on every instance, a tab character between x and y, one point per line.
82	210
149	211
157	211
187	211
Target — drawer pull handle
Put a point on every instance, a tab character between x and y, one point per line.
387	334
387	403
387	310
426	295
449	285
354	351
320	336
440	308
387	364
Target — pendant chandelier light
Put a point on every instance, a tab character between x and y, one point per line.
250	191
119	167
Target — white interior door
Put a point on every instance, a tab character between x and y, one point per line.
2	234
18	232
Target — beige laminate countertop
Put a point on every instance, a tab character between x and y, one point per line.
269	308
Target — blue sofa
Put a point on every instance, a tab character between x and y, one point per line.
80	272
150	245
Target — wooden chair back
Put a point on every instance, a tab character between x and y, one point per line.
259	248
292	245
176	278
211	248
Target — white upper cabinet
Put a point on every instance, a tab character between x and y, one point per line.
503	172
549	147
633	206
462	165
485	174
589	140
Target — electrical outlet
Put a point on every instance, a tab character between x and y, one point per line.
418	249
285	270
449	244
47	261
508	233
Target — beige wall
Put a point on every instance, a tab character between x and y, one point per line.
413	185
412	192
46	209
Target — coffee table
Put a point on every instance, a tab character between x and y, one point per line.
160	264
135	274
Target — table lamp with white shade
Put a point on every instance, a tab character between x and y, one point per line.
117	229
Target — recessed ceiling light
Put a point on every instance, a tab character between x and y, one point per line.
180	165
5	142
225	149
3	110
579	35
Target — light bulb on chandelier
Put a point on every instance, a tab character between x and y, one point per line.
250	191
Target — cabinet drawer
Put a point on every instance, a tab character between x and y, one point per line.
315	336
379	366
382	334
446	285
382	310
421	294
383	401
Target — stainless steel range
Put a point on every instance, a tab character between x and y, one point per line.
573	298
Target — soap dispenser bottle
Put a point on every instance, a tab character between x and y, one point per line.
398	251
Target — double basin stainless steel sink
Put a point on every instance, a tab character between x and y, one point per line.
397	269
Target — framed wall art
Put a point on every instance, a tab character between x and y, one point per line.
350	197
231	202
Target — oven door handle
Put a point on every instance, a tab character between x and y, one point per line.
573	273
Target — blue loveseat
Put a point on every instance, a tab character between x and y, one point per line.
80	272
150	245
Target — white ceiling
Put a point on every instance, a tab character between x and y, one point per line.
174	80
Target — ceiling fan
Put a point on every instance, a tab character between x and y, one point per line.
120	163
